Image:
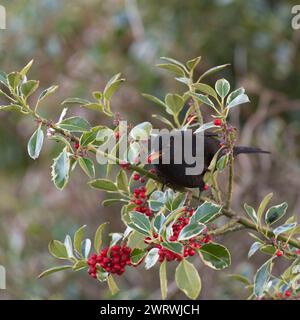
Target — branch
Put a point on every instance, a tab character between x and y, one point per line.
226	211
230	181
267	231
231	226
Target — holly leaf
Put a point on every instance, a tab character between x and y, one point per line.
98	237
140	222
215	256
75	124
35	143
275	213
58	249
190	231
163	279
206	212
188	279
60	169
87	166
78	237
222	88
262	277
137	255
47	92
103	184
53	270
112	285
151	258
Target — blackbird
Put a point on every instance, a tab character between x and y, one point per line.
175	174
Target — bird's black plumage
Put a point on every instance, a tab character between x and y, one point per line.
175	174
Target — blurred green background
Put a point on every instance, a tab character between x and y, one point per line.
79	45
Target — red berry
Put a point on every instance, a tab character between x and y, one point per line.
191	252
279	253
205	187
136	176
148	212
142	195
106	260
298	251
206	239
117	135
186	221
217	122
288	293
115	248
76	145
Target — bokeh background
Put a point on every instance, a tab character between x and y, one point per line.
79	45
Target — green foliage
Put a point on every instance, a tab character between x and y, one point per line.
215	256
262	277
187	279
163	280
275	213
151	235
35	143
60	169
190	231
206	212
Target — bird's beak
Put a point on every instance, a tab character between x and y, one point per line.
191	120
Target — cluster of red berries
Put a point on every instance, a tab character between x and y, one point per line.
180	224
113	260
286	294
279	252
137	177
171	256
167	254
189	249
140	199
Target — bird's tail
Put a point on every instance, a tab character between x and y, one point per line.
238	150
